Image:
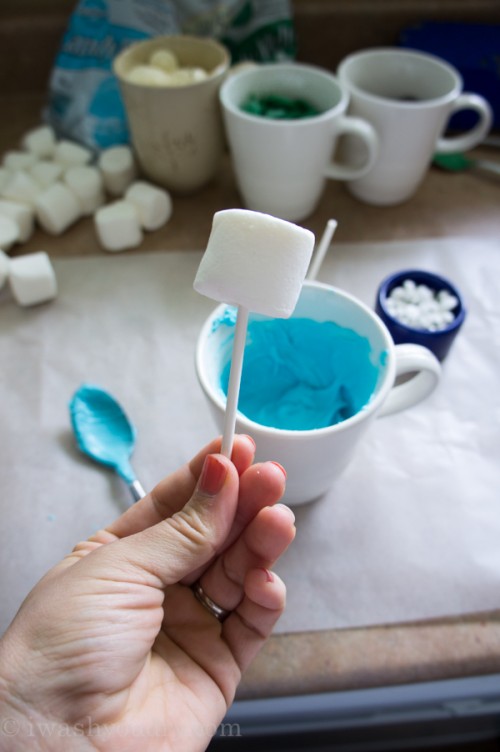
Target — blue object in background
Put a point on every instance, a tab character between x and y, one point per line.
438	342
474	49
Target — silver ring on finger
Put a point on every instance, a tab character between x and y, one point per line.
211	606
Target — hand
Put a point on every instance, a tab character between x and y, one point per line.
111	651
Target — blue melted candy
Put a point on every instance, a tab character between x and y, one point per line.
300	374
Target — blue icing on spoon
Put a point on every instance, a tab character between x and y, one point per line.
104	432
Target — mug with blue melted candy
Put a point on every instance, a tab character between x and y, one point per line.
312	384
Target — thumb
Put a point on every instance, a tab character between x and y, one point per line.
173	548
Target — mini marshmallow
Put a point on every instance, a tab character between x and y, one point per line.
153	204
256	261
164	59
117	226
22	215
22	187
9	233
421	307
4	268
46	173
86	184
147	75
18	160
71	154
118	169
32	279
40	141
57	208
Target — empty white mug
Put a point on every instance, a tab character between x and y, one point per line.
409	98
314	458
281	166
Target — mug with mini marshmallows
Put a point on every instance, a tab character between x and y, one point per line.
281	165
176	131
409	98
365	389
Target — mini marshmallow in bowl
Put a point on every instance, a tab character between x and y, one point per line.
421	307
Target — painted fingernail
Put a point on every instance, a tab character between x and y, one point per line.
269	575
280	467
247	436
212	476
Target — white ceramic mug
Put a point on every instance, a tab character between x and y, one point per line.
314	458
409	98
281	166
176	131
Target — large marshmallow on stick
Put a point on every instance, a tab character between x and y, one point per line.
258	263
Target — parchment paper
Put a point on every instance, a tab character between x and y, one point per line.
410	531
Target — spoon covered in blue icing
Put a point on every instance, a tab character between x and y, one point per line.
104	432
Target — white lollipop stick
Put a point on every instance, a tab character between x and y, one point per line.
323	246
233	389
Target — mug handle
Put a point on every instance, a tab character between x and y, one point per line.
411	358
352	126
473	137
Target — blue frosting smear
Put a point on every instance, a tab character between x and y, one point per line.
300	374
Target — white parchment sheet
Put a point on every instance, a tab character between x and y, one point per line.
410	531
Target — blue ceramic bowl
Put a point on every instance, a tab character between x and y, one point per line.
438	342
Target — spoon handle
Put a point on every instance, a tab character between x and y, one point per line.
136	490
487	165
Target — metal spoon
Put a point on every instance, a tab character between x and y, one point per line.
104	432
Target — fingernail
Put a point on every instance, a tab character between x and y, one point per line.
285	509
247	436
280	467
269	575
212	476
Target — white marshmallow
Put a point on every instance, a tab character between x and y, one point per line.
71	154
32	279
4	268
153	204
9	233
46	173
86	184
22	187
164	59
117	226
40	141
117	166
147	75
186	76
18	160
57	208
256	261
23	216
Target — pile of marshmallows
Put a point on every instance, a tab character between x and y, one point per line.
163	69
54	183
420	307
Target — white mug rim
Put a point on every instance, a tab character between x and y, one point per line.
231	80
382	52
365	412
